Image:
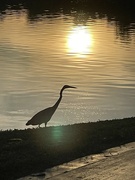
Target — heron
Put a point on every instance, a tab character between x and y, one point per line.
45	115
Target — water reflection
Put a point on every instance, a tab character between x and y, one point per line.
119	12
79	41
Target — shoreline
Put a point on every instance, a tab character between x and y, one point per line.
29	151
87	166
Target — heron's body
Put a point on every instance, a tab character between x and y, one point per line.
45	115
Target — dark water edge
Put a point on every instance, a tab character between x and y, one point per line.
54	4
29	151
38	6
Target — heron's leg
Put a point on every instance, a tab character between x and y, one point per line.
39	125
45	124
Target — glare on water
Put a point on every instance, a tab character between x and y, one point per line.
79	41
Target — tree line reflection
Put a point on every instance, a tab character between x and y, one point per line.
119	12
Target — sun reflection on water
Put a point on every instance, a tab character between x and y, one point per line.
79	41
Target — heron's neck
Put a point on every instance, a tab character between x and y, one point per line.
59	100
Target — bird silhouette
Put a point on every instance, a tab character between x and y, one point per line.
45	115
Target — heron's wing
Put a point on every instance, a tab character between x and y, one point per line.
42	116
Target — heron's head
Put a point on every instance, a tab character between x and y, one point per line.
67	86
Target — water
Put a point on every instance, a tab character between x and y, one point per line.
39	53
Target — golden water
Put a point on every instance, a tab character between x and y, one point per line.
38	58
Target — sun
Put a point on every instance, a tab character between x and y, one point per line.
79	41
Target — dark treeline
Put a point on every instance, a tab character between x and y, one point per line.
121	12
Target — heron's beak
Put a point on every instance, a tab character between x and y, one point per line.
72	87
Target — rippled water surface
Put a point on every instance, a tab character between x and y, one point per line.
38	56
